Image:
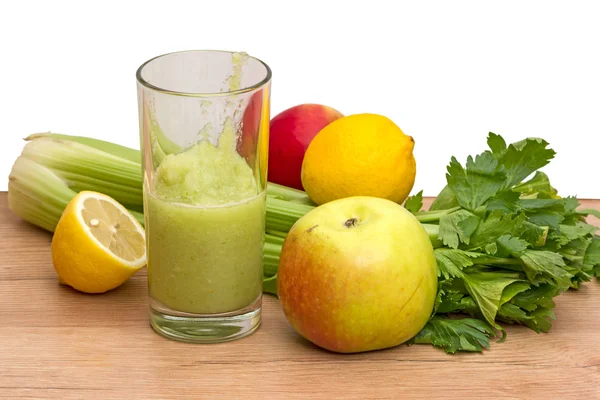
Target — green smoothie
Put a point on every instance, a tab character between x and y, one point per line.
205	225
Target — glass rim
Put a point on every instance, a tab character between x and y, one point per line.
247	89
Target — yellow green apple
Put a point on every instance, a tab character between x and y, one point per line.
357	274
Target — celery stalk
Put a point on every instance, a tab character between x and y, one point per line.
288	194
108	147
272	249
84	167
270	285
433	231
282	214
38	195
434	216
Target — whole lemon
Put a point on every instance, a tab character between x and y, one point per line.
359	155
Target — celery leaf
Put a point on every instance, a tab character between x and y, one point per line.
414	203
444	200
495	225
540	320
523	158
505	201
546	218
592	256
539	184
512	245
548	264
533	234
457	227
480	180
513	290
486	287
497	144
568	233
451	261
589	211
537	296
454	335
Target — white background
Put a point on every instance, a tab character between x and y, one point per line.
446	72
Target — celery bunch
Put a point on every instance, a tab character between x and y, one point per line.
53	168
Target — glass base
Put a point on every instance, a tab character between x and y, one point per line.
205	328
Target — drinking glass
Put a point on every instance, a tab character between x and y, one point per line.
204	132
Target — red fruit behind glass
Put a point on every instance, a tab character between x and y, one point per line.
250	128
291	131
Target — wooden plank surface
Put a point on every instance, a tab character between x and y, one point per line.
58	343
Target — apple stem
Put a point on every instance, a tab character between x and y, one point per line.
351	222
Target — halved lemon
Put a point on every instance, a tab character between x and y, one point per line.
97	244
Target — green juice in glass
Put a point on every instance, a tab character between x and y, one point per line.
205	227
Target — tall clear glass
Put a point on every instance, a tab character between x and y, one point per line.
204	131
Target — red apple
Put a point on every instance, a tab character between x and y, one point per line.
357	274
291	132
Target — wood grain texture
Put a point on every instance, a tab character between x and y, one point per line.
58	343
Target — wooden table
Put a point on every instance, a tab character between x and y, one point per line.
58	343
